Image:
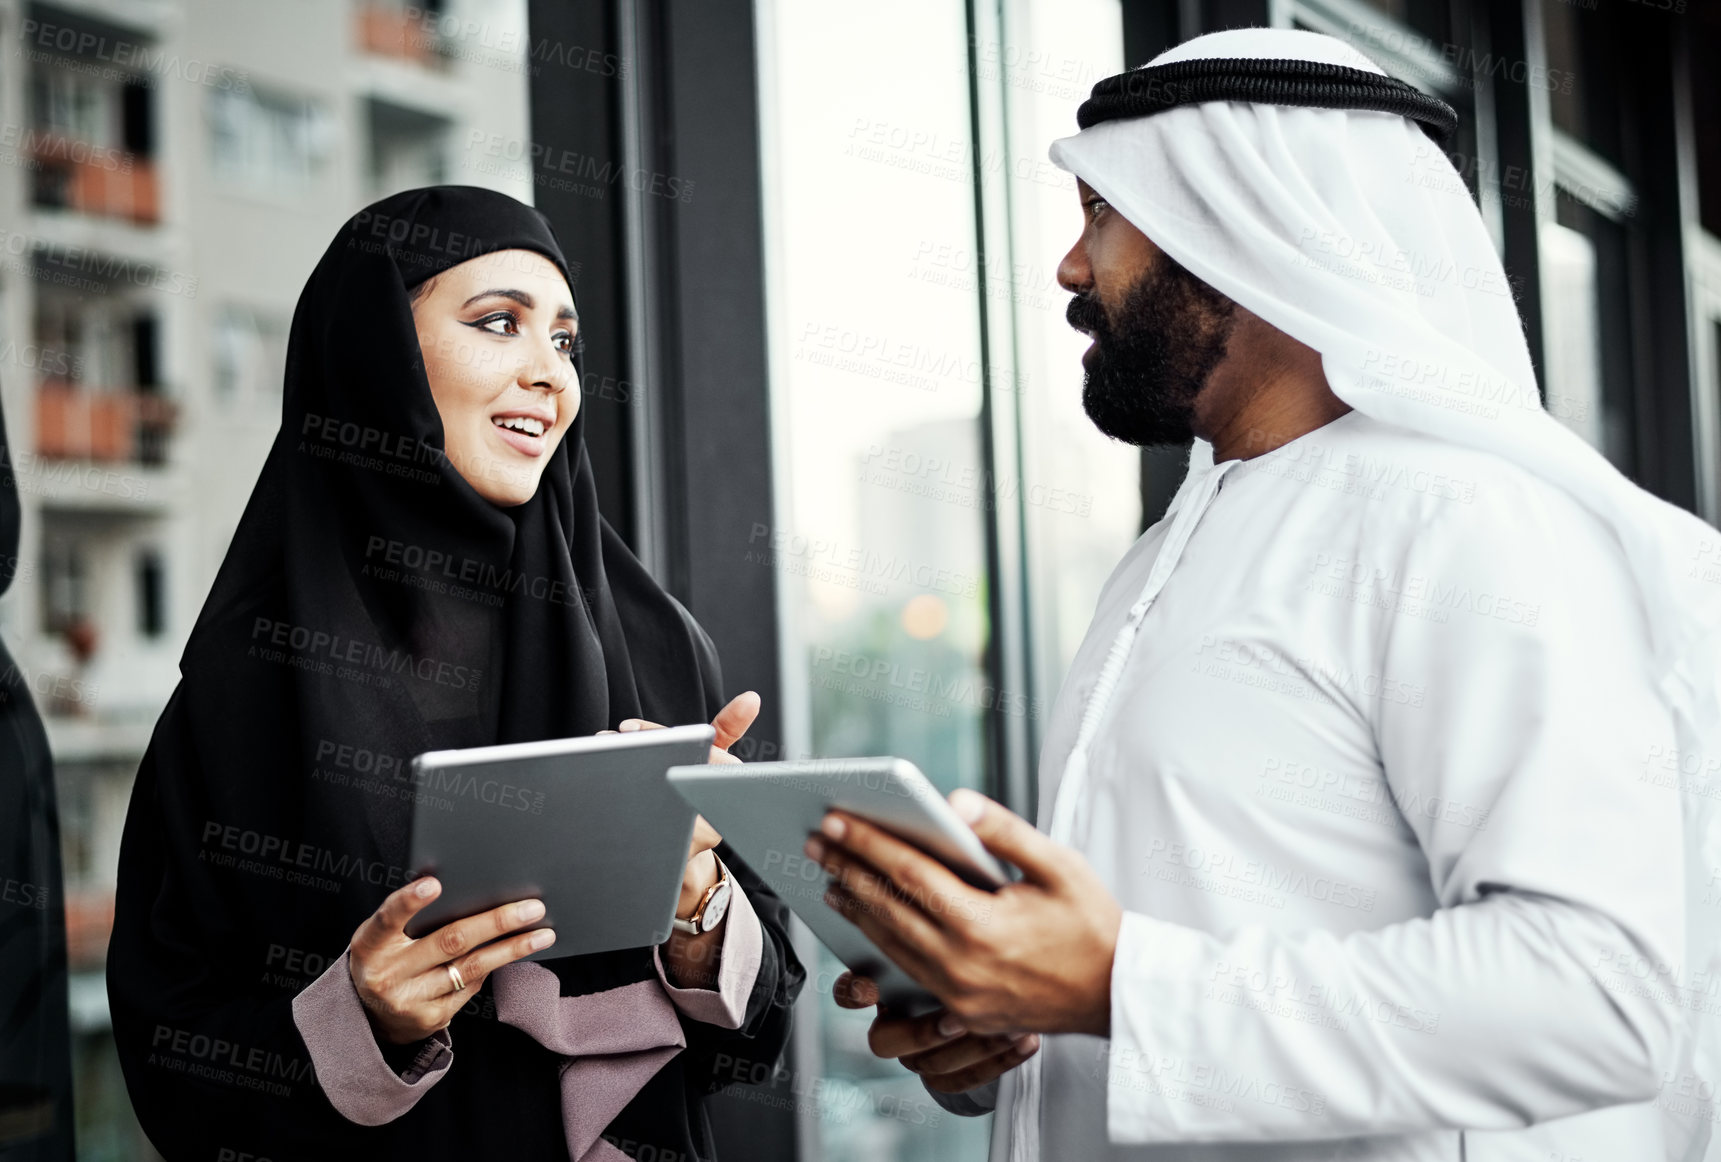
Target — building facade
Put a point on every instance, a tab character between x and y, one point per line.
173	172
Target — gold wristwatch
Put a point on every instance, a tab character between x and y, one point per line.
713	906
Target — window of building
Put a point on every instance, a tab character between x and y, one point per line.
151	592
99	343
250	351
946	513
1583	89
92	128
1705	21
1586	361
882	494
65	584
72	104
267	142
408	147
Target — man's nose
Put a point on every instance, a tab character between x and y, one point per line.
1074	273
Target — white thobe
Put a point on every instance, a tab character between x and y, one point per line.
1388	799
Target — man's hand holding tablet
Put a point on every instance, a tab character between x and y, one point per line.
1031	957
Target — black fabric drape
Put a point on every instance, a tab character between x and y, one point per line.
35	1040
373	606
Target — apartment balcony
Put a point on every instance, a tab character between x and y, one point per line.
111	183
384	30
89	926
76	423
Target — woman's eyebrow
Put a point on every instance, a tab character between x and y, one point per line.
519	296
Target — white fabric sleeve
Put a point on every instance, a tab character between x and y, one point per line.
1515	736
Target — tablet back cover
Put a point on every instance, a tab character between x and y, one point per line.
595	831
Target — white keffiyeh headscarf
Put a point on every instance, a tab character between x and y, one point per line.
1351	232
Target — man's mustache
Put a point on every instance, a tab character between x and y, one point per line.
1086	314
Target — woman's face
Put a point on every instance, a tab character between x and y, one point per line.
498	333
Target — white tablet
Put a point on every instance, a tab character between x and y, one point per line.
766	811
588	825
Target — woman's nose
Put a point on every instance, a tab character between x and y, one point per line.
549	370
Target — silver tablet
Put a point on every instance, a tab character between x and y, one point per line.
766	811
588	825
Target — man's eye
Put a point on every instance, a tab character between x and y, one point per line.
1094	207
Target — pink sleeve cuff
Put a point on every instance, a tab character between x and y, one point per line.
348	1062
737	969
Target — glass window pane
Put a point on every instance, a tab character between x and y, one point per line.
1560	31
880	549
1572	337
1704	22
1581	79
1586	316
1081	494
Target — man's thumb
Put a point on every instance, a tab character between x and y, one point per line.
1007	835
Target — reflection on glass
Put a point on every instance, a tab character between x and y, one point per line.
1080	491
877	395
877	280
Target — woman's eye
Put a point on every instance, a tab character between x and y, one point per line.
507	317
1094	207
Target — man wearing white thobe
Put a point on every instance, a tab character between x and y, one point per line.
1363	842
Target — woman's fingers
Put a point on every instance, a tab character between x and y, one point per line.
705	837
455	940
733	720
474	967
387	925
731	723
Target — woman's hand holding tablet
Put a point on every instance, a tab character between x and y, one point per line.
411	988
691	961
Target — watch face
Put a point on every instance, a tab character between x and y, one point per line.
716	909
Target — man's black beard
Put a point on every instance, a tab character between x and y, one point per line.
1153	359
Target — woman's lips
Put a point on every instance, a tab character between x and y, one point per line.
533	446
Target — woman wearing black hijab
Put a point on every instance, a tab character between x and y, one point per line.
420	566
35	1040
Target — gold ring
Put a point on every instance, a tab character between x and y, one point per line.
454	975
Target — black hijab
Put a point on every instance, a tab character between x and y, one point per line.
35	1045
371	606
